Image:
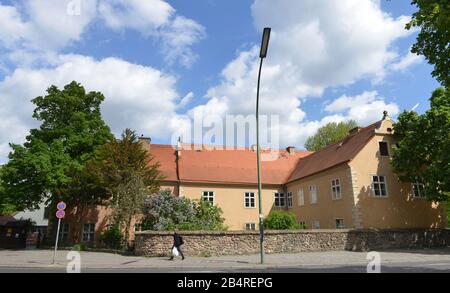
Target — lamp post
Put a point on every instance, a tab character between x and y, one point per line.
262	55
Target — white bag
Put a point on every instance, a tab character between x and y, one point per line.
175	251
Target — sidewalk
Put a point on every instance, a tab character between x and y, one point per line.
95	260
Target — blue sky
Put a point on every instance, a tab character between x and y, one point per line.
328	61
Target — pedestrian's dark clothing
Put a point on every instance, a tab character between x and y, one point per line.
177	242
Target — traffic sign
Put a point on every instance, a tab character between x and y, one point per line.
60	214
61	205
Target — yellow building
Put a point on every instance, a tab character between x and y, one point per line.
349	184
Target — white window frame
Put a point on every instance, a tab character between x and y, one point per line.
280	197
343	223
421	192
303	223
374	183
336	189
301	197
208	195
313	222
64	233
388	149
251	225
313	194
250	198
290	200
90	234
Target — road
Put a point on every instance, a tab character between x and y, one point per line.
404	261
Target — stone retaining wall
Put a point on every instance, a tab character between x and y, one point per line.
205	243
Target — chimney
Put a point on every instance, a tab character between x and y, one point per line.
290	150
385	115
254	148
354	130
179	147
146	142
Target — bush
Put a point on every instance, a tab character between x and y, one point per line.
280	220
79	247
165	212
112	237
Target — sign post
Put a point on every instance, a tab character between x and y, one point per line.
59	214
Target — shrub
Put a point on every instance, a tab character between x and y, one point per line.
165	211
281	220
79	247
112	237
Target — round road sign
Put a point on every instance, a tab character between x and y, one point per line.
60	214
61	205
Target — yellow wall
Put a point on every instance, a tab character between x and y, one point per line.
399	209
230	198
326	210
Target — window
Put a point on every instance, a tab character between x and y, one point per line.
250	226
303	224
289	200
340	224
249	200
336	188
384	148
301	197
313	194
379	186
418	190
46	213
279	200
88	232
63	233
315	224
208	196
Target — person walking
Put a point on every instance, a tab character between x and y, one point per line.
177	242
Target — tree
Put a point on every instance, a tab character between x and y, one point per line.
122	169
165	212
54	155
6	206
422	153
329	134
433	40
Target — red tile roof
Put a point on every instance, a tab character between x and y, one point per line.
335	154
238	166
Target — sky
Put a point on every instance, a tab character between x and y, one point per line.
161	62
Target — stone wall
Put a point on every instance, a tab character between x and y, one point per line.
205	243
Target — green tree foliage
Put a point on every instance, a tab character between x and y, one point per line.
119	160
281	220
165	212
112	237
422	153
6	206
329	134
433	41
54	155
123	169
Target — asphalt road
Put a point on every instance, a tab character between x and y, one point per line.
410	267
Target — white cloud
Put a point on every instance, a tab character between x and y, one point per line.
364	108
39	27
142	15
155	18
407	61
347	102
138	97
314	45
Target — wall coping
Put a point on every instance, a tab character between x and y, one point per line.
274	232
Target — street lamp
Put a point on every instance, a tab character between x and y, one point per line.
262	55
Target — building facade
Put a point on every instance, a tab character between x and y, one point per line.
349	184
